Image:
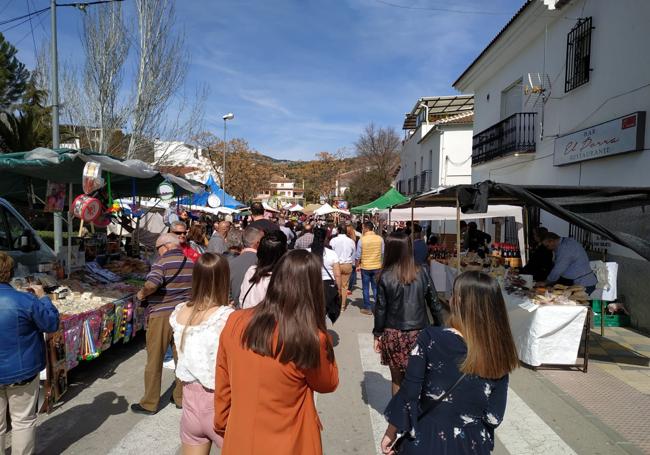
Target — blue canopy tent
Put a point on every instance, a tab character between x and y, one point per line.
201	199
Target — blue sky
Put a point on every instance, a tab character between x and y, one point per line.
304	76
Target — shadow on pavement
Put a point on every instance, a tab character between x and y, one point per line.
86	373
375	391
61	431
614	352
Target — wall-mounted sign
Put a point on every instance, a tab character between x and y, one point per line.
621	135
166	191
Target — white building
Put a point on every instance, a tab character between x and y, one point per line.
283	190
180	154
437	147
561	96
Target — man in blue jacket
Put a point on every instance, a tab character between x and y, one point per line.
24	318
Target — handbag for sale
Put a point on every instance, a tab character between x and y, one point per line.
428	407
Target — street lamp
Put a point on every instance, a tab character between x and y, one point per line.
228	116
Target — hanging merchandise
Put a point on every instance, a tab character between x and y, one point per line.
86	208
92	177
166	191
55	197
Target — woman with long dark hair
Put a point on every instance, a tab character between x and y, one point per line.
253	289
271	360
197	325
405	290
455	389
331	270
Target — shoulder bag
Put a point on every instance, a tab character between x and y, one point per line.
332	297
427	408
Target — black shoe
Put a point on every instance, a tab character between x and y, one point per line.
136	408
178	406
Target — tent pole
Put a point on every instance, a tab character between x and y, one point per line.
457	232
390	209
412	220
69	259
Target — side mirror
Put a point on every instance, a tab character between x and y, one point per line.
28	242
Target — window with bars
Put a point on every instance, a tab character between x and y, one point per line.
578	55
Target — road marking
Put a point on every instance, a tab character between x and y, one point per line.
159	434
522	432
376	384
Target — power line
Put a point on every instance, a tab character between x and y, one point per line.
36	13
442	9
6	6
14	19
31	28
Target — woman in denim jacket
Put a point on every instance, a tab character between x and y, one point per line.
24	318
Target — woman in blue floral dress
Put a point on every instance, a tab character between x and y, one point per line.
477	344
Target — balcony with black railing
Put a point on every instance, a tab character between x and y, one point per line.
514	134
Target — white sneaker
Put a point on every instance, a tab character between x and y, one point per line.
170	365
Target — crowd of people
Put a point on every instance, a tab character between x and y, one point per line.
245	312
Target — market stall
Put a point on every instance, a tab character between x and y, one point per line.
95	299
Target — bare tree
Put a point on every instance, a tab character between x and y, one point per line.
377	149
162	65
106	48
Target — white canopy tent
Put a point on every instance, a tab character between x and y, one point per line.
450	213
297	208
324	209
268	208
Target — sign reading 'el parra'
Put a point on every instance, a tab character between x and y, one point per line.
621	135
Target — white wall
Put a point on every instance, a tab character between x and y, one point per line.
450	145
620	62
455	157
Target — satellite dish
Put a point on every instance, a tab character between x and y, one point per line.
214	201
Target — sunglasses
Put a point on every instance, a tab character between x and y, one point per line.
179	232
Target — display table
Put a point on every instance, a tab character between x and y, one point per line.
548	335
443	277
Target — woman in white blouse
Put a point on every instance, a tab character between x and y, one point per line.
256	279
197	325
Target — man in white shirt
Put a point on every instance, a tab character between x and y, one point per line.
345	248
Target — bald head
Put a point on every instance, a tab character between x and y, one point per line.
252	237
223	227
166	242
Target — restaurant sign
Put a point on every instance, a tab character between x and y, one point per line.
621	135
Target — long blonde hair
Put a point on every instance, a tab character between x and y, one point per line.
210	286
478	311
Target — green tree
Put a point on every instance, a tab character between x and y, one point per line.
366	187
13	76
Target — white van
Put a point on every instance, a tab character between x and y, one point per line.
21	241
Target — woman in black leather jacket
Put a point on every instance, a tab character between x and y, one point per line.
405	290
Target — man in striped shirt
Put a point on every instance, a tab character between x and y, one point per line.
168	284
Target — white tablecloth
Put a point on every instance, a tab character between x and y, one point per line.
551	334
548	335
443	277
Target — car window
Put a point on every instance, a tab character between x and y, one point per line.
5	237
16	229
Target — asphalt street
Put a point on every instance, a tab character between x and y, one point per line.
94	417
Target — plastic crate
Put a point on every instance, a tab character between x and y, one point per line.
612	320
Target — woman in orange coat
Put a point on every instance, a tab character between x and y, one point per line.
271	360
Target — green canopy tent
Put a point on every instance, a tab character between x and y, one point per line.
390	198
27	172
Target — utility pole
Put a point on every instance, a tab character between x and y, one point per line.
58	217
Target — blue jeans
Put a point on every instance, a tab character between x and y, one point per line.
353	278
369	278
